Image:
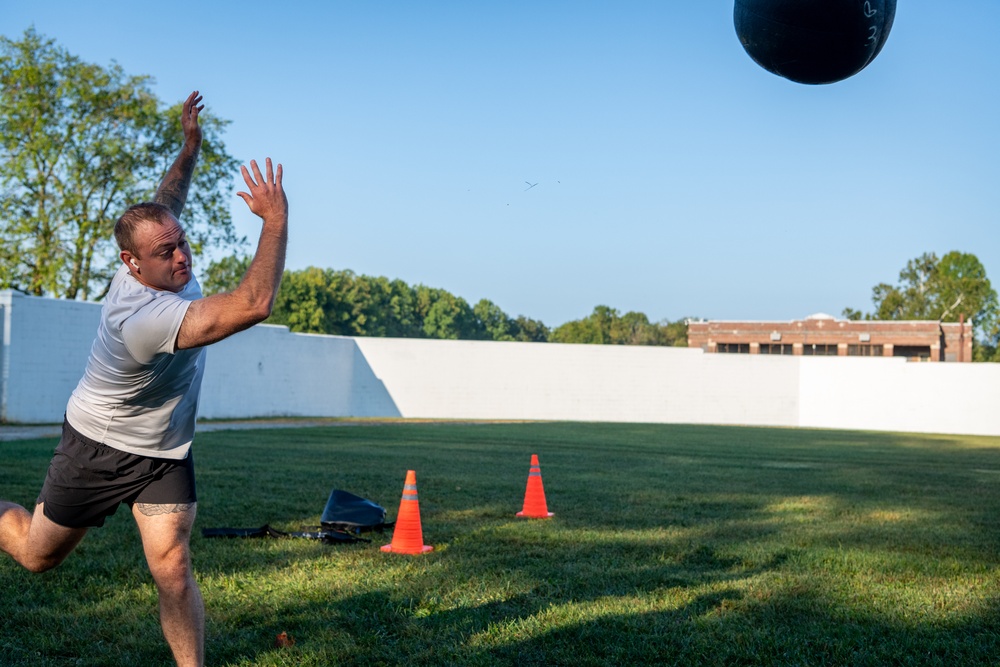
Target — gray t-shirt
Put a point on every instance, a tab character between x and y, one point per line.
140	393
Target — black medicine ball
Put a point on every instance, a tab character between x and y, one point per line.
813	41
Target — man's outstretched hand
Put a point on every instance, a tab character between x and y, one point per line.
266	197
189	119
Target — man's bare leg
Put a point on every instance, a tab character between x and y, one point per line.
34	540
166	536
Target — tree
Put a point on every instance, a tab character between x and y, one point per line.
528	330
79	143
447	316
493	321
495	324
605	326
914	297
304	302
675	334
385	307
593	329
943	289
224	275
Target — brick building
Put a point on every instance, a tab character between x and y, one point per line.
824	335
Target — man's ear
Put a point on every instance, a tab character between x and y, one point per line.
129	259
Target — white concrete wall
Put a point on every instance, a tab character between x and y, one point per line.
483	380
45	348
268	371
895	395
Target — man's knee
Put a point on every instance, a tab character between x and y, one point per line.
33	540
41	563
172	571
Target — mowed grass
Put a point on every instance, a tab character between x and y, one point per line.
671	545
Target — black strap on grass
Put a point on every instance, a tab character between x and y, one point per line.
345	517
327	535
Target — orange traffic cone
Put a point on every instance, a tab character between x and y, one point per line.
534	495
407	536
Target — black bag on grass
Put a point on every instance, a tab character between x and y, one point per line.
352	514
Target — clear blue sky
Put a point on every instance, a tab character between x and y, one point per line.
675	177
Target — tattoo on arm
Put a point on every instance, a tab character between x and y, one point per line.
173	195
149	509
173	191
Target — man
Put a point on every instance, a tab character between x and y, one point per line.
130	421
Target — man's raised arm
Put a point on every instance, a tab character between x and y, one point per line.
173	191
221	315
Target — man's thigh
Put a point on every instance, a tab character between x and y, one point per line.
48	543
166	532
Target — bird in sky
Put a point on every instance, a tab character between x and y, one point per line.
530	185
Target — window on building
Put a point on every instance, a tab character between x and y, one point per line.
913	352
864	350
819	350
733	348
776	348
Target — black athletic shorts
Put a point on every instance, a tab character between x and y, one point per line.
87	481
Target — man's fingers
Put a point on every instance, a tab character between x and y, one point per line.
257	181
245	197
246	177
256	171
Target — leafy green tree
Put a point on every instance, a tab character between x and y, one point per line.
450	317
528	330
585	331
386	307
402	320
79	143
943	289
963	289
494	322
852	314
634	328
605	326
913	298
675	334
304	302
224	275
987	350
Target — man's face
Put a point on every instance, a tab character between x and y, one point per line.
164	260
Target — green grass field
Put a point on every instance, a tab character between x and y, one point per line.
670	545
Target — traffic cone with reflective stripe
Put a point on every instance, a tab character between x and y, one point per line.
534	495
407	536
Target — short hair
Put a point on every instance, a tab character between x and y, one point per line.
134	216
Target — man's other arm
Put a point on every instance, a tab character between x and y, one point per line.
173	191
221	315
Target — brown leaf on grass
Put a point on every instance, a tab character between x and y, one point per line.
283	641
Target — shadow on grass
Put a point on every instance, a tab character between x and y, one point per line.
415	624
723	628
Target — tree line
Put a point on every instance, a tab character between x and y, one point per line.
341	302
